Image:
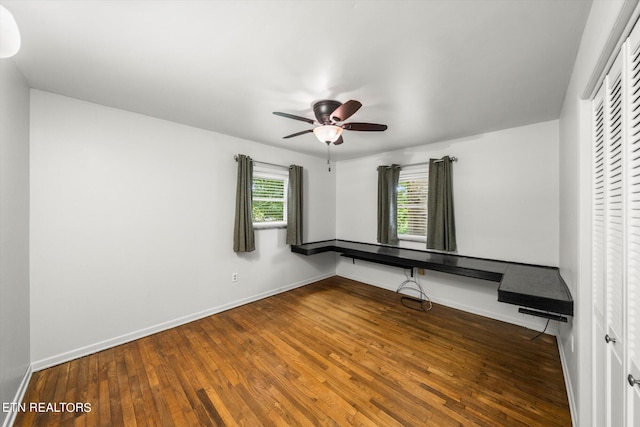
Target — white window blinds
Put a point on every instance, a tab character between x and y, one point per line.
412	203
269	203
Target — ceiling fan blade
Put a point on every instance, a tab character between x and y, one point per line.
291	116
371	127
345	111
338	141
298	133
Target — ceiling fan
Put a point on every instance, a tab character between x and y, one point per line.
329	116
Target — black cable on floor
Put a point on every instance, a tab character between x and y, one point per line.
543	331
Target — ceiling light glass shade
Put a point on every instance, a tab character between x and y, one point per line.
9	34
327	133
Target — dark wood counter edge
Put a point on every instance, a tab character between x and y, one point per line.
516	298
409	263
337	248
401	262
537	302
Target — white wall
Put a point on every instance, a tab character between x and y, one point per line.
14	232
575	208
505	192
132	226
506	207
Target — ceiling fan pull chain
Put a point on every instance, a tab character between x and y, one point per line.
328	156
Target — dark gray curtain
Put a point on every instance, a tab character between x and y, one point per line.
441	228
294	206
388	177
243	237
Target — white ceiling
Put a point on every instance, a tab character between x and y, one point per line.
430	70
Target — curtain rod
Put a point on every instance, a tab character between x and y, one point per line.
452	159
235	157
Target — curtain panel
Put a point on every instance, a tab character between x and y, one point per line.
294	206
243	236
441	229
388	177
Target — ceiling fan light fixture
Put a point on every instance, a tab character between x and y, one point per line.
327	133
9	34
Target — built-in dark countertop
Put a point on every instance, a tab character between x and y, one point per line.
533	286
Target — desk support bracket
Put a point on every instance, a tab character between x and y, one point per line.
543	314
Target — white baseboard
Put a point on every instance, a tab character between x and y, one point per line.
112	342
515	320
11	415
573	408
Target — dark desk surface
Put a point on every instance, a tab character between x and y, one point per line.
532	286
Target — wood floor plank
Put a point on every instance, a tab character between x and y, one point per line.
336	352
124	389
90	419
104	399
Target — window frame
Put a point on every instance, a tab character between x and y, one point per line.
414	173
260	172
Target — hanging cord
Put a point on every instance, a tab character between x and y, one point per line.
543	331
411	284
328	156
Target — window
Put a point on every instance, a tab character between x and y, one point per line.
269	198
412	203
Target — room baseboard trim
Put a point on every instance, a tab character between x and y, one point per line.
132	336
467	308
22	388
573	409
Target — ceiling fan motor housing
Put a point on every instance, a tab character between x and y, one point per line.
323	109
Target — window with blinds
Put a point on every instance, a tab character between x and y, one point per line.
412	203
269	202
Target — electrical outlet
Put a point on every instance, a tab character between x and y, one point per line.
234	277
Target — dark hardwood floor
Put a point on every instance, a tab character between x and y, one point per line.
336	352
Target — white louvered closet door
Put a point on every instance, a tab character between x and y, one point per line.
614	243
598	265
632	208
